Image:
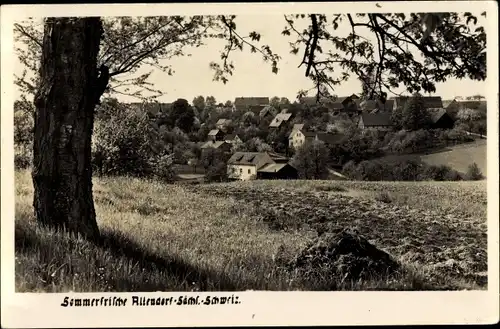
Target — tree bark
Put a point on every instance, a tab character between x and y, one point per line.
65	103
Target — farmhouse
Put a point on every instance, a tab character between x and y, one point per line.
259	165
254	104
280	119
441	119
378	121
244	165
215	135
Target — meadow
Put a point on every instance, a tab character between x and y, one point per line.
238	236
458	157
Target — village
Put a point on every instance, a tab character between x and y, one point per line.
366	115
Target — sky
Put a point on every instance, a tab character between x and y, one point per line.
253	77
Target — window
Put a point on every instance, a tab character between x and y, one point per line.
249	171
241	170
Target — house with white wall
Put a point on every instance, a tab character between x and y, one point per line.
244	165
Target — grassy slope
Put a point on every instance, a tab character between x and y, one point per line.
160	237
458	157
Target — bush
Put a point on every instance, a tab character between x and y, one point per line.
163	168
311	160
473	172
126	143
217	172
406	170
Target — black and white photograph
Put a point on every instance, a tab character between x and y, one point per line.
184	158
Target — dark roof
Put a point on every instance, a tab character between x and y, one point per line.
329	138
230	137
214	145
246	158
250	101
433	102
376	119
429	101
436	114
371	105
309	134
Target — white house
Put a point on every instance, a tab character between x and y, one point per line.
244	165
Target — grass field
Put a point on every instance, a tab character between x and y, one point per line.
216	237
458	157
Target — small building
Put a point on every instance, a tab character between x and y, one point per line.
232	139
268	111
215	135
277	171
280	119
379	121
222	124
299	137
441	119
244	165
222	146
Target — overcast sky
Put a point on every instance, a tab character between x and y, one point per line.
253	77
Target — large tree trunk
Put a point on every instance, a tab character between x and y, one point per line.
65	102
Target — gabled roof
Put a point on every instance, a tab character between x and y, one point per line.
250	101
376	119
429	101
230	137
214	145
277	157
273	167
298	126
447	102
246	158
279	119
436	114
268	109
371	105
433	102
213	132
223	121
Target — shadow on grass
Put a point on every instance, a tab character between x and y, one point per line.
203	279
156	273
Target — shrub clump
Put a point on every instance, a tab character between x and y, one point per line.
473	172
340	258
403	170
